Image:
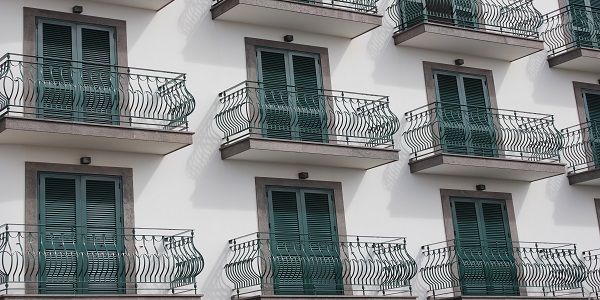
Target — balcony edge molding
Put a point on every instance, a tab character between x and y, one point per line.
174	139
328	297
577	53
534	45
542	170
375	157
103	297
589	178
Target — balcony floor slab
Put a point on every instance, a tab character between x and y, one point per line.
307	153
296	15
589	178
99	297
486	167
579	59
326	297
508	298
446	38
51	133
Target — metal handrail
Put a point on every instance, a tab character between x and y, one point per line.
360	6
502	267
571	27
255	109
481	131
76	259
325	264
518	18
77	91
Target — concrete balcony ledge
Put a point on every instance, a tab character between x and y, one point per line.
79	135
589	178
103	297
507	298
578	59
328	297
459	40
308	153
486	167
296	15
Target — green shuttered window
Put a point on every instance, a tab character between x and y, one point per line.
592	106
80	214
76	79
291	96
304	248
484	247
586	22
464	114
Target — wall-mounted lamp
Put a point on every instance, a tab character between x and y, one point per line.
77	9
303	175
480	187
288	38
85	160
459	62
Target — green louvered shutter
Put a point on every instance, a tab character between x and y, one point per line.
105	228
56	73
500	265
582	23
274	95
468	244
412	13
592	104
309	100
440	11
99	96
480	131
58	234
465	13
322	244
450	114
286	249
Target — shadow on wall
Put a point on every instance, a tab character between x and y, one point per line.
566	203
216	286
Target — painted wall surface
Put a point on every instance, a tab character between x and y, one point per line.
194	188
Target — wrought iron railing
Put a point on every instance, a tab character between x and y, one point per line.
571	27
582	147
592	260
480	131
66	260
361	6
517	18
254	109
485	267
313	264
74	91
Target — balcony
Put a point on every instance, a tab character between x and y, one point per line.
592	260
581	150
499	29
573	38
515	270
470	141
71	104
97	260
297	125
282	266
341	18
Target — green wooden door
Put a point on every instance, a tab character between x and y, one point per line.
592	106
464	115
585	25
304	242
76	81
291	98
81	234
484	247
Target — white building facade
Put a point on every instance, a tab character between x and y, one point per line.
265	135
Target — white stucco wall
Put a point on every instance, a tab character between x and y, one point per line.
194	188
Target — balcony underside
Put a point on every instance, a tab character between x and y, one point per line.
329	297
307	153
579	59
507	298
50	133
486	167
466	41
103	297
297	16
590	178
155	5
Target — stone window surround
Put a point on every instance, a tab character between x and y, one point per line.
30	16
578	88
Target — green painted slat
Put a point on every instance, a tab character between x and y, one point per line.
592	106
452	131
275	101
482	135
309	101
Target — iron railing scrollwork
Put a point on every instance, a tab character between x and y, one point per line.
254	109
360	6
592	261
582	147
75	91
313	264
502	268
73	260
517	18
481	131
571	27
